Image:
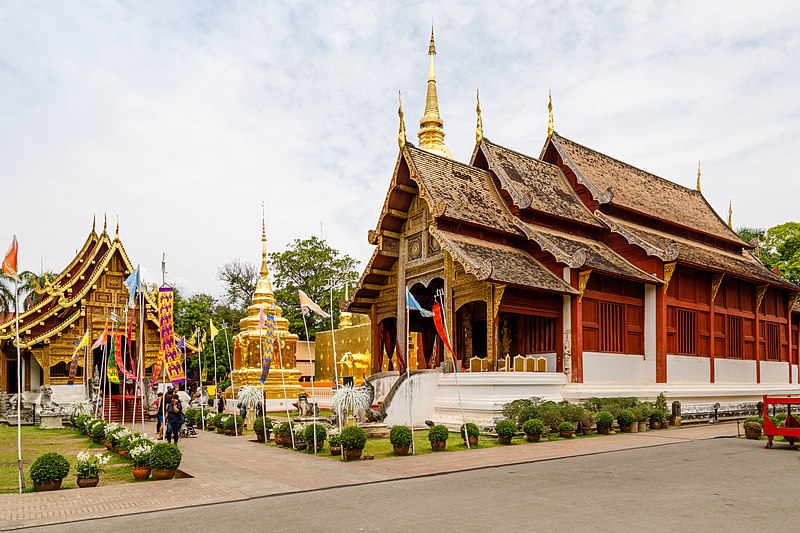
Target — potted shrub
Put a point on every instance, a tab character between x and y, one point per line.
566	430
437	435
165	458
505	429
625	419
140	457
752	428
400	437
283	434
550	414
533	428
656	417
220	425
335	443
88	468
233	425
109	430
48	470
642	414
604	422
299	438
97	430
80	422
315	429
470	433
587	421
353	440
262	428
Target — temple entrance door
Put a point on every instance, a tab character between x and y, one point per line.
471	334
423	330
11	373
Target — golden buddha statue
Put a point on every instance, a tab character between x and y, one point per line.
247	352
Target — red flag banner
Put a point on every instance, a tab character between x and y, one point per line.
118	357
10	260
439	321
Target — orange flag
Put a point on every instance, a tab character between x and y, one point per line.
10	260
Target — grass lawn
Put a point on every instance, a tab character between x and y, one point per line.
323	413
382	448
67	442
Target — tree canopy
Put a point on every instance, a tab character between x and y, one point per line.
778	248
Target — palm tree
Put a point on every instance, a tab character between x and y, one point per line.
26	290
7	302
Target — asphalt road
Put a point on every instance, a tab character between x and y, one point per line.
712	485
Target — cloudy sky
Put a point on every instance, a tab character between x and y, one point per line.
182	117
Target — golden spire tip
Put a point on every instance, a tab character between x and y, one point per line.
730	214
550	128
698	176
479	125
401	134
432	46
94	223
116	232
105	223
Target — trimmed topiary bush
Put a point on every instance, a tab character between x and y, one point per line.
260	423
308	433
626	417
506	429
353	438
534	426
97	430
49	467
165	456
233	422
605	419
472	430
400	436
566	426
80	422
438	433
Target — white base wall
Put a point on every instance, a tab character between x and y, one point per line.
689	369
734	371
774	372
422	389
616	368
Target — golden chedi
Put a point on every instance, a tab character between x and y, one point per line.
246	351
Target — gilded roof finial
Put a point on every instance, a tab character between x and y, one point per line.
550	128
730	214
116	232
94	223
698	176
431	132
479	125
264	269
401	135
105	224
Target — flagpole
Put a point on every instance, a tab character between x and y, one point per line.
19	390
261	359
335	363
200	378
283	381
140	382
313	398
230	375
104	365
214	349
440	293
124	378
108	381
408	376
135	375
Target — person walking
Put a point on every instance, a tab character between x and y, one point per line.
174	419
220	401
160	409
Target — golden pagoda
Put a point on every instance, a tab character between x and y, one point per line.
247	355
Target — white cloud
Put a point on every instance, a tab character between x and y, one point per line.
210	108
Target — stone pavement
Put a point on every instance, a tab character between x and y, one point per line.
227	469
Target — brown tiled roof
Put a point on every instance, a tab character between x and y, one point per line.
461	192
744	265
587	252
494	262
642	192
534	184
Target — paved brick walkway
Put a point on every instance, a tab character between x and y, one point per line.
226	469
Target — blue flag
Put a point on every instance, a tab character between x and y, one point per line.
132	282
413	305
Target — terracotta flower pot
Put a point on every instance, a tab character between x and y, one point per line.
220	430
320	446
752	434
504	440
602	431
473	441
278	440
401	450
627	429
642	426
300	445
533	438
566	433
121	452
655	424
438	445
336	449
47	485
84	482
160	475
109	445
353	453
140	473
260	437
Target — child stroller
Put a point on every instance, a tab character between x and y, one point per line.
187	430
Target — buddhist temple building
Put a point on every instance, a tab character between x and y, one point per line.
575	273
249	345
83	297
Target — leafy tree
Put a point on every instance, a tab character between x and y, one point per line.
778	248
239	279
196	312
316	268
28	282
748	234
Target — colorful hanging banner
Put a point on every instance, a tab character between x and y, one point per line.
118	359
73	364
111	367
439	321
268	335
168	352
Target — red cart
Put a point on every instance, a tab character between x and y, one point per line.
791	429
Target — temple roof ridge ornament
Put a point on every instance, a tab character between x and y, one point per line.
431	133
730	213
401	134
698	176
479	124
550	127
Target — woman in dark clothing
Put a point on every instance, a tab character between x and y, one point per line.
174	419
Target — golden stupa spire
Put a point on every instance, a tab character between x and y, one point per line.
698	176
264	269
479	125
550	128
730	214
116	232
431	132
105	224
401	134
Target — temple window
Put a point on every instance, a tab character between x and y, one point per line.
686	332
61	370
612	328
773	341
735	338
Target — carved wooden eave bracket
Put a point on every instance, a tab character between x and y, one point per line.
792	300
716	282
583	280
574	260
669	270
761	290
670	253
602	197
497	298
482	272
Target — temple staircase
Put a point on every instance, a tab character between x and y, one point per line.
116	409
